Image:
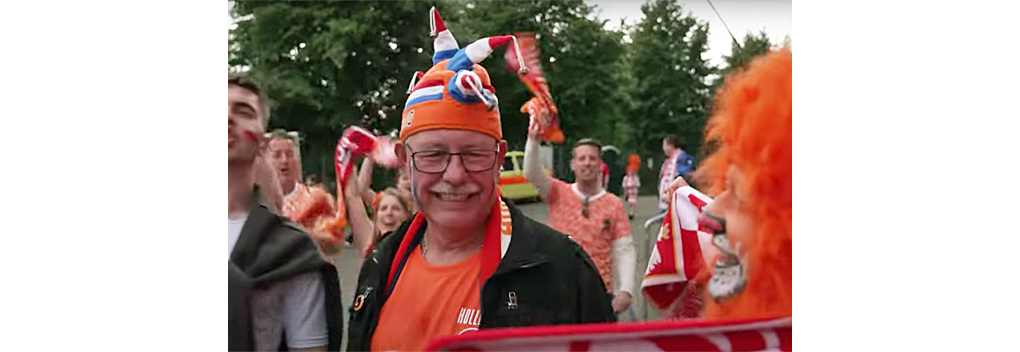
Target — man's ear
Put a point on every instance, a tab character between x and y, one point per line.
400	152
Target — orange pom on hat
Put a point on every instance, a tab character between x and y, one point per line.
456	92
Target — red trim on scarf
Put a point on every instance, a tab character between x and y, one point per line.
402	250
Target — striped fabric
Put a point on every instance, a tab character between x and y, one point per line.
444	44
681	251
424	94
689	335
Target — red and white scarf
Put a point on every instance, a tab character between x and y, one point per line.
687	335
681	250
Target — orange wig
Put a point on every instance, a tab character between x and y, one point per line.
753	129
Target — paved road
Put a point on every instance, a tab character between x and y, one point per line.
349	261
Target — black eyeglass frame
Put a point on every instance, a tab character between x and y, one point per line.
449	157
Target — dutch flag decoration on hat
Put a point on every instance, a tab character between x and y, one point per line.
444	44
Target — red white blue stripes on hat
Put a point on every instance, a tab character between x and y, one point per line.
443	44
424	94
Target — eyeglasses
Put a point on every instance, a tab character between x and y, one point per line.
436	161
584	209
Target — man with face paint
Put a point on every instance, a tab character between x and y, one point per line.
467	260
750	218
281	294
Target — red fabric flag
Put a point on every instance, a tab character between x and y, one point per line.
540	108
681	251
686	335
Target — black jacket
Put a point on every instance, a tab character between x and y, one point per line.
553	279
271	249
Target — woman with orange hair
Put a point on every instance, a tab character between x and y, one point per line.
750	174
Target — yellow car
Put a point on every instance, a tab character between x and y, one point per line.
512	183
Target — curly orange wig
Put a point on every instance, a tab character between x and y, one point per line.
753	130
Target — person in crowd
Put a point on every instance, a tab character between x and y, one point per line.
389	210
588	214
631	184
467	260
281	293
311	207
403	185
668	170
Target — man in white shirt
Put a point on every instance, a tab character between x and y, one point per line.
281	294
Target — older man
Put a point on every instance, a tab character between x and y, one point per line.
467	260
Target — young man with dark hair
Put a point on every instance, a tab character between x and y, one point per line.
281	293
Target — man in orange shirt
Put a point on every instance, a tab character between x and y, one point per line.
596	219
467	260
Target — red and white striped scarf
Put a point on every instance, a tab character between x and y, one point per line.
681	250
687	335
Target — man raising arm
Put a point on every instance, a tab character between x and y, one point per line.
592	217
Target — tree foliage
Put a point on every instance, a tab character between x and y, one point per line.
328	65
669	75
740	55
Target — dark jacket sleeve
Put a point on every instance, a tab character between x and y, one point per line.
593	298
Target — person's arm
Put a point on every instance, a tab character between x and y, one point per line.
304	313
624	259
533	167
365	180
357	217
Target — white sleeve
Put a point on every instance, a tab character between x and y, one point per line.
624	263
304	311
533	168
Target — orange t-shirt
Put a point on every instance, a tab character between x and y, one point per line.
607	221
429	301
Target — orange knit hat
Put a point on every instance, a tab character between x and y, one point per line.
456	92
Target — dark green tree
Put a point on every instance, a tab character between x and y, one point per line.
329	65
669	73
741	54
